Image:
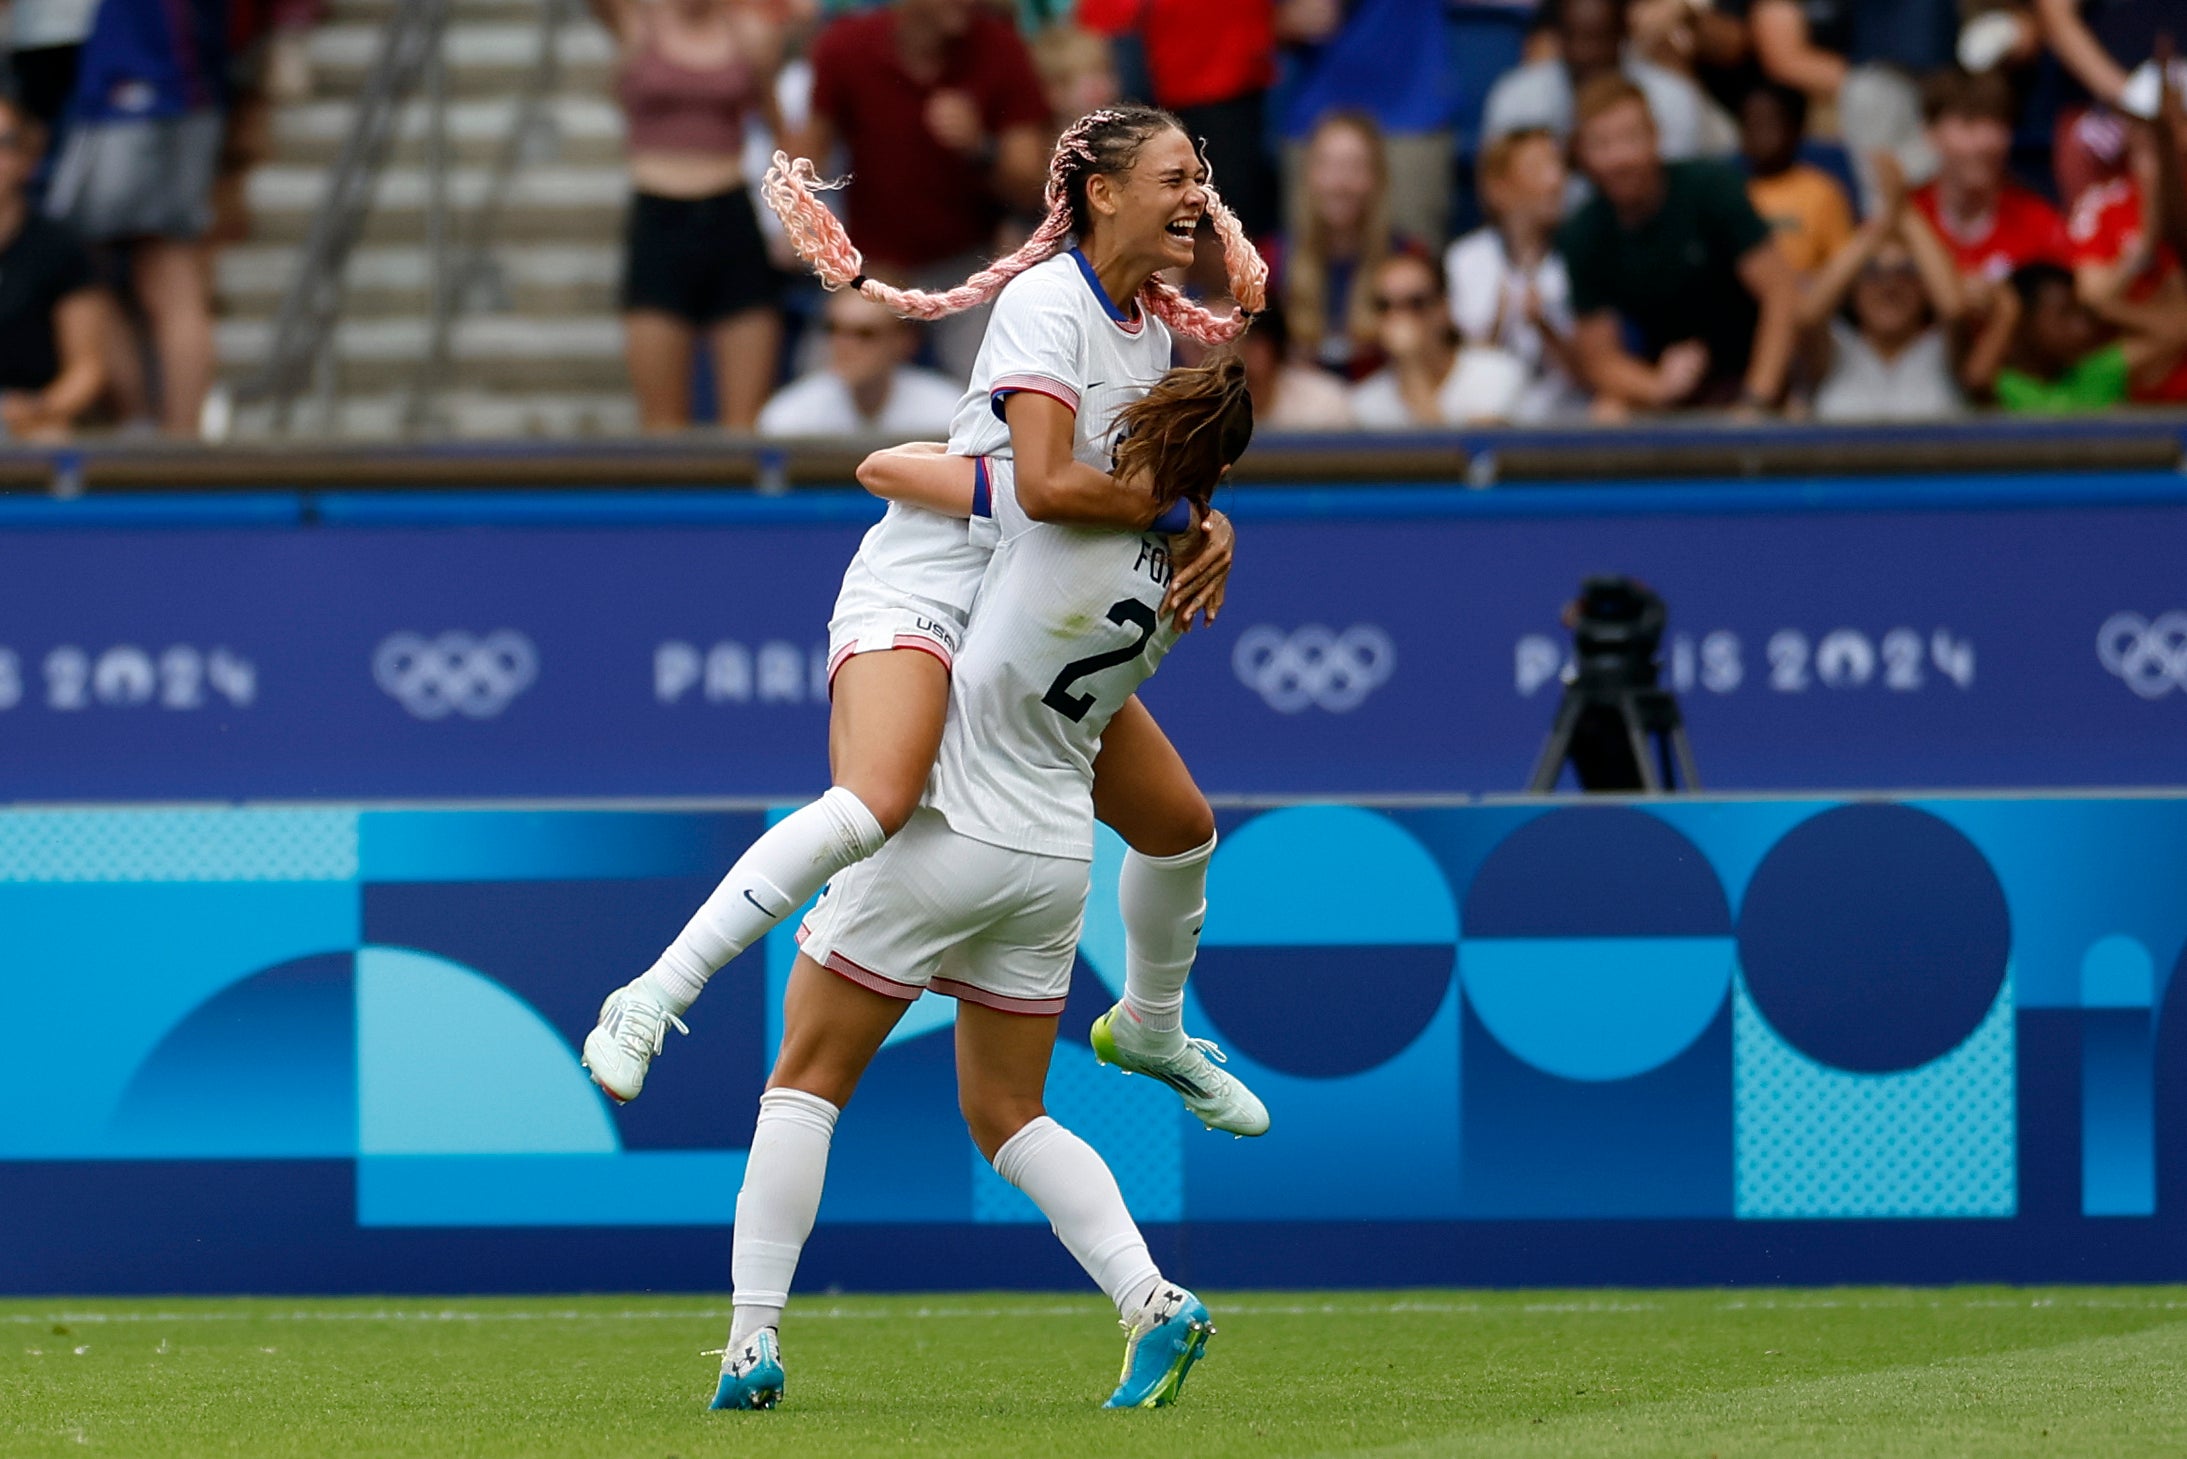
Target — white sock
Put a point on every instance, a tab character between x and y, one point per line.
776	1207
771	880
1164	901
1078	1195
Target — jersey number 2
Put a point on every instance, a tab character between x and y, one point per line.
1075	707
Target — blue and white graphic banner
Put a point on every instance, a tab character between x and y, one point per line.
1689	1041
1413	648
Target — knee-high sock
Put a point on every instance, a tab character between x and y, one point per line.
1164	901
776	1207
771	879
1078	1195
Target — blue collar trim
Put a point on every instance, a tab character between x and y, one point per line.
1093	282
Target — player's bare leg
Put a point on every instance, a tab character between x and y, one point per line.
1002	1071
1143	791
885	728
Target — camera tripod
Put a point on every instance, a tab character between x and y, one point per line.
1618	736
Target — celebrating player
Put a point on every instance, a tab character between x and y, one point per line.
1061	358
982	895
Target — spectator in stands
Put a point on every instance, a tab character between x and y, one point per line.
1803	205
1699	39
2100	43
1339	235
2058	358
1212	64
1508	286
136	174
1389	60
1590	42
1288	396
869	386
695	264
2129	236
1077	72
1429	382
287	70
52	317
938	107
1889	356
1861	56
1675	253
45	42
1990	224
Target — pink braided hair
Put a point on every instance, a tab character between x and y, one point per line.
1246	270
792	187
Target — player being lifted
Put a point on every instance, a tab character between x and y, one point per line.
982	894
1080	330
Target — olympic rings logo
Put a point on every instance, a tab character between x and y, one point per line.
1314	666
455	673
2151	657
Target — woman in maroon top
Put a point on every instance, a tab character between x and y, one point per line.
694	261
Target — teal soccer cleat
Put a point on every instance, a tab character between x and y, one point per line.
752	1377
1160	1348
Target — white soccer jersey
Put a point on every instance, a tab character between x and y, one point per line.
915	561
1054	331
1068	625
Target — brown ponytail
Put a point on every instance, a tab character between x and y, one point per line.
1182	434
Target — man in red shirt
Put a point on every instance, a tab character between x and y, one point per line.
2126	263
939	108
1989	224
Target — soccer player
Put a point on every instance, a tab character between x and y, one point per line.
982	895
1077	334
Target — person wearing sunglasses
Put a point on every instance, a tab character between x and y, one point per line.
1892	353
868	385
52	314
1430	383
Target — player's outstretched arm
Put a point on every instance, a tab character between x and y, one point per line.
920	474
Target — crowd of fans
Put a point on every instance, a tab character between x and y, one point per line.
112	130
1894	210
1476	211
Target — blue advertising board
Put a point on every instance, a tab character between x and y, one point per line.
1376	642
331	1048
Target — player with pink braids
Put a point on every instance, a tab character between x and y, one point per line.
791	187
1080	330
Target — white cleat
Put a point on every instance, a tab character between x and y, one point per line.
1218	1100
634	1024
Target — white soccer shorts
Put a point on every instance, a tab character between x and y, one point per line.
871	617
938	910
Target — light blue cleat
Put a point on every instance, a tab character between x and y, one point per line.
1160	1349
752	1377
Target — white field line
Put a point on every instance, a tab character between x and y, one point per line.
1071	1309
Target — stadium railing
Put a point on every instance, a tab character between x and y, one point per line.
130	482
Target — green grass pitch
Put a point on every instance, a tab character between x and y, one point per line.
1875	1373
